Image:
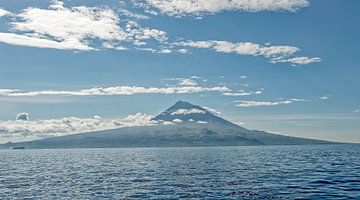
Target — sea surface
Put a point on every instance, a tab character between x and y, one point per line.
263	172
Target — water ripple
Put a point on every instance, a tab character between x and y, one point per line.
271	172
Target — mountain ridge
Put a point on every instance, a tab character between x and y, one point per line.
182	124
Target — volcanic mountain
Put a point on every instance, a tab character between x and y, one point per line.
183	124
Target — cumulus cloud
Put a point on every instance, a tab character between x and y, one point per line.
188	111
276	54
57	127
199	7
76	28
266	103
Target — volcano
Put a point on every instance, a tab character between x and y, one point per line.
183	124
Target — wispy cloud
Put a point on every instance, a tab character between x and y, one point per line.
297	60
266	103
241	93
183	86
326	97
180	8
275	53
120	90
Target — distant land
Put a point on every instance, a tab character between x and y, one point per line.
183	124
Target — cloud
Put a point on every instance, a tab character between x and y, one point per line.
212	110
7	91
182	86
199	7
4	12
326	97
118	90
31	41
22	116
357	110
130	14
69	125
241	93
177	121
187	82
276	54
188	111
297	60
76	28
266	103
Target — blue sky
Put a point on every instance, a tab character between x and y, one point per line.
290	67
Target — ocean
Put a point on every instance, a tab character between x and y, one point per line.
252	172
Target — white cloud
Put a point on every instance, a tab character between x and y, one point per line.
187	82
188	111
4	12
166	51
69	125
241	93
76	28
275	54
200	7
195	77
183	51
33	41
357	110
324	97
116	90
177	120
265	103
130	14
212	110
297	60
7	91
167	123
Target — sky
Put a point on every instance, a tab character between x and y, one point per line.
284	66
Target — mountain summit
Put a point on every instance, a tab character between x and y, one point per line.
184	112
183	124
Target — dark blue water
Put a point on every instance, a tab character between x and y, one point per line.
272	172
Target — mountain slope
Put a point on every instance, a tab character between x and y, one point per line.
183	124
